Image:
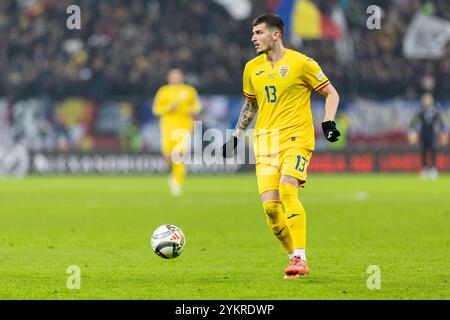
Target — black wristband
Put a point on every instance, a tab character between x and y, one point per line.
229	147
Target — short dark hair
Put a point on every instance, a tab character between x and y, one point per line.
271	20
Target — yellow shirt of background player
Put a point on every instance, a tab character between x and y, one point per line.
185	103
283	94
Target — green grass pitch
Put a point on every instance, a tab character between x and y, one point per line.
103	224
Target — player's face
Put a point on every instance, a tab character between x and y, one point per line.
175	76
263	38
427	100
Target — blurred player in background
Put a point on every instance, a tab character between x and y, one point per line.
426	126
278	84
176	104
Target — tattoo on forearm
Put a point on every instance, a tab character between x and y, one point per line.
247	114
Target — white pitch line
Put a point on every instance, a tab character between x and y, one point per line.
354	197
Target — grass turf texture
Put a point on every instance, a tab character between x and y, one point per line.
103	225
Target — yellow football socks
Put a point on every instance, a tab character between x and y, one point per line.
295	214
276	219
178	173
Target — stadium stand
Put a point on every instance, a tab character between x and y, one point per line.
126	47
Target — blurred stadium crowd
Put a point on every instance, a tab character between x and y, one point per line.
123	48
92	89
126	47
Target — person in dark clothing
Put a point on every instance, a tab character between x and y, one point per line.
427	126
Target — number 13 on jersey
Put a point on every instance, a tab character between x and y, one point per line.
271	92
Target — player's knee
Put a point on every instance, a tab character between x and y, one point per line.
270	195
272	208
273	211
275	216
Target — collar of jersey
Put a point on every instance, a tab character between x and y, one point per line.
270	63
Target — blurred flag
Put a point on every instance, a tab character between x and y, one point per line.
426	37
345	48
304	20
237	9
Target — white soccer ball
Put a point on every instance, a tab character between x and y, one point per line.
168	241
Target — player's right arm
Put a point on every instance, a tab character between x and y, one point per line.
415	120
160	104
248	112
413	137
246	117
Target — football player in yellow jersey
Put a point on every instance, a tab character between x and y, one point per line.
278	85
176	104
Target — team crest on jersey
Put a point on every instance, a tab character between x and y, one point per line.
184	94
284	70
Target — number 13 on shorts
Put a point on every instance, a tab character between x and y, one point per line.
302	163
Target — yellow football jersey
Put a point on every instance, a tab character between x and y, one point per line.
184	101
283	94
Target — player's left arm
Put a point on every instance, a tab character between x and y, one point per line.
443	136
313	75
196	105
331	105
